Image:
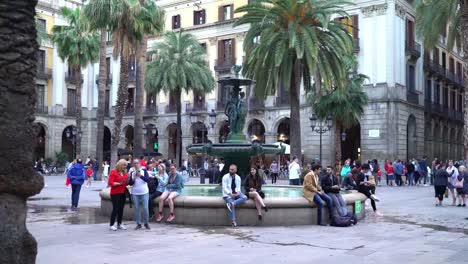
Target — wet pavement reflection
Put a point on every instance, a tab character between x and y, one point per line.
82	216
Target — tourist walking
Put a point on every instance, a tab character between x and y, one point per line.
118	180
331	186
294	171
411	168
274	170
441	180
232	195
253	189
422	170
76	174
89	174
398	171
95	167
105	171
453	172
314	193
138	179
390	174
461	185
172	190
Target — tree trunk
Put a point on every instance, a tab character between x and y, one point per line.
464	43
77	80
338	128
179	127
139	100
295	121
17	88
318	85
102	83
122	100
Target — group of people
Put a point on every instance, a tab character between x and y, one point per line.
453	179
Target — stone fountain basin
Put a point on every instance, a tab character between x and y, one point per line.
212	211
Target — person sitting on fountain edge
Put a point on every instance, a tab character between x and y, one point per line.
232	194
313	192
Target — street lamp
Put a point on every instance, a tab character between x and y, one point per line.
212	118
320	127
72	133
193	118
153	132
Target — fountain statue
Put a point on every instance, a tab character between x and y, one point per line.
236	150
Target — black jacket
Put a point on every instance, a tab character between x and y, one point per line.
247	184
328	182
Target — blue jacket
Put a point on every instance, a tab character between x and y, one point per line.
76	174
176	185
398	168
422	166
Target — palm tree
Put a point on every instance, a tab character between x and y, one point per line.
97	12
128	22
344	104
432	19
180	66
79	46
140	82
17	79
297	41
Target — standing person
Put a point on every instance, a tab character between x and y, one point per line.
89	174
411	168
398	171
274	170
213	173
422	170
253	189
331	186
390	174
206	165
118	180
67	169
441	180
138	178
76	174
365	188
294	171
88	160
435	164
262	173
95	169
172	190
232	195
143	162
453	172
313	192
105	171
459	184
346	169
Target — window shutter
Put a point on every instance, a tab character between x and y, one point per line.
203	14
355	19
233	51
220	52
232	11
195	18
221	13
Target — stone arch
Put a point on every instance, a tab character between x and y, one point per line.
282	130
256	130
68	141
199	132
106	144
128	134
40	141
277	122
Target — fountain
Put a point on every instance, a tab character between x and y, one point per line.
236	150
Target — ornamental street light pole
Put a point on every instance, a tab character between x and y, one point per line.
320	127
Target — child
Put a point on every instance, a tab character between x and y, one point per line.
89	174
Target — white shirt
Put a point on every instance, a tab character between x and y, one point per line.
106	169
227	181
221	166
140	187
294	171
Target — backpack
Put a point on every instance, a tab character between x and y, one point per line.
344	221
76	173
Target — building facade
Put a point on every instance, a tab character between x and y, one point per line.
415	95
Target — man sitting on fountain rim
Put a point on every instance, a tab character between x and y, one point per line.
232	194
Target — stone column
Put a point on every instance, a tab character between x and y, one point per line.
17	83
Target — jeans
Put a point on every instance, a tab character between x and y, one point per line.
239	200
118	203
339	202
274	176
423	176
294	182
398	180
94	175
320	199
76	188
152	196
143	199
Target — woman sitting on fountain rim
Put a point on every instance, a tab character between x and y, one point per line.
172	189
253	189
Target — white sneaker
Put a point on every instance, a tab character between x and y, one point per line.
375	198
228	205
122	226
113	228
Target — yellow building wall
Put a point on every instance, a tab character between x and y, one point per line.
49	53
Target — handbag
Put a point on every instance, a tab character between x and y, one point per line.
459	184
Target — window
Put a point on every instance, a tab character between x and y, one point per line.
428	92
226	51
436	56
199	17
226	12
107	103
411	78
176	22
108	64
41	23
444	60
445	98
459	69
437	93
40	96
132	68
41	60
451	65
460	102
452	100
409	34
71	101
131	99
151	101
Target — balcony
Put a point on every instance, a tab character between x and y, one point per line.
256	104
70	111
108	81
459	117
356	46
224	65
413	50
42	109
150	110
44	73
170	108
70	77
459	80
196	107
282	101
412	97
434	68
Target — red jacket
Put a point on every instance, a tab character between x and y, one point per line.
116	177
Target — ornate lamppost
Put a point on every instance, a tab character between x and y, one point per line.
72	134
320	127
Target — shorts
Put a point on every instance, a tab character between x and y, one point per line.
450	186
439	190
460	191
391	177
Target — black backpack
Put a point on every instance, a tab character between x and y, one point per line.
344	221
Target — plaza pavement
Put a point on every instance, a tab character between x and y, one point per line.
411	230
